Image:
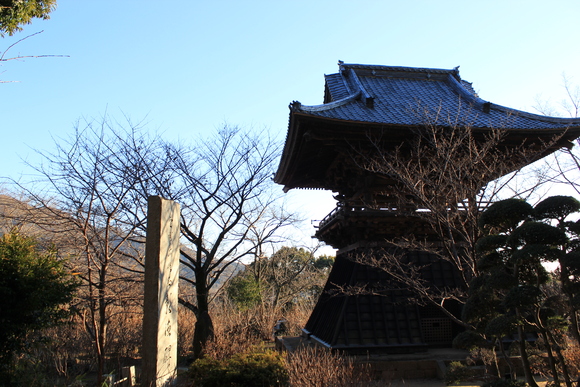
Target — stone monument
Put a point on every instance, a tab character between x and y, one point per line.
160	302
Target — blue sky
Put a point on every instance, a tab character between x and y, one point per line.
188	66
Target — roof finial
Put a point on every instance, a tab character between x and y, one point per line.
295	105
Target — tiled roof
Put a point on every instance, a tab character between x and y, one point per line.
415	96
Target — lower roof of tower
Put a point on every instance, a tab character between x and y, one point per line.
363	99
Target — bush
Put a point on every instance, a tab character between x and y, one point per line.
254	368
456	372
34	285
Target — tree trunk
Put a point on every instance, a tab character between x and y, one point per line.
574	324
552	361
525	360
101	326
565	280
565	372
203	331
508	361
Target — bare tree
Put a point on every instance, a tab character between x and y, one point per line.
101	178
99	217
564	166
443	177
226	193
4	57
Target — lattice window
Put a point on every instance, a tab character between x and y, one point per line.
436	330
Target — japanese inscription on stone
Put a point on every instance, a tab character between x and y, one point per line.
161	279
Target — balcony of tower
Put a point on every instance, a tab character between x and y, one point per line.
348	224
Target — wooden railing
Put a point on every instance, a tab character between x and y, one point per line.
342	211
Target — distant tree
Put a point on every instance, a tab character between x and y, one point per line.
16	13
244	290
291	275
294	274
35	287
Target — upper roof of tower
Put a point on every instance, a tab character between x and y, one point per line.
403	95
362	98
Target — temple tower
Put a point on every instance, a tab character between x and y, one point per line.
371	111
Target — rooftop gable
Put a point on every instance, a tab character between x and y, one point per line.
410	96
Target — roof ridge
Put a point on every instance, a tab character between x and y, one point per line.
454	71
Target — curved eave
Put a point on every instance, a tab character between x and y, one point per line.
564	122
479	107
302	117
295	142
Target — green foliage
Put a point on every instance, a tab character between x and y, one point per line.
522	297
537	253
456	372
323	262
477	308
33	287
512	290
244	290
501	325
556	207
490	243
469	340
291	275
248	369
572	262
490	261
537	233
573	227
15	13
291	257
505	214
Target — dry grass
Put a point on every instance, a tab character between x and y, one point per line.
318	367
186	325
240	331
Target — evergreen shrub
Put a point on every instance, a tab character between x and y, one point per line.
257	368
456	372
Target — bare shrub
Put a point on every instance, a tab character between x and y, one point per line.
126	337
57	354
235	331
296	318
319	367
572	356
186	320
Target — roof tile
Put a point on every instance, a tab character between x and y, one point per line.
413	96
